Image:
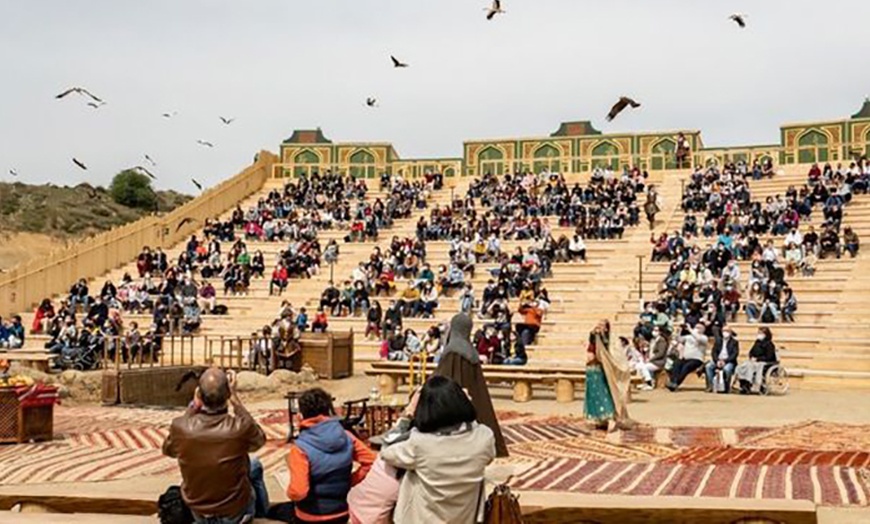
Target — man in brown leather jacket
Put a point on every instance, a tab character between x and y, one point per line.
221	484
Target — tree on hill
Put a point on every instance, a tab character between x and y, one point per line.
133	189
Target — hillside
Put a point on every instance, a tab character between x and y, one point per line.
37	219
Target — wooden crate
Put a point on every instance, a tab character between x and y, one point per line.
20	423
149	386
329	354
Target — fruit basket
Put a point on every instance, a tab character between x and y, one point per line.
26	410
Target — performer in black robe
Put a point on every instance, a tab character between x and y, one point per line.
460	362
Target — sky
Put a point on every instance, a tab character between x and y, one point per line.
280	65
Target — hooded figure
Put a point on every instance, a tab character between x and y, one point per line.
461	363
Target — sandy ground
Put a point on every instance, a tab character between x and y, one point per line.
658	408
16	248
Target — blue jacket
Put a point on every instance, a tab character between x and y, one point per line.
330	455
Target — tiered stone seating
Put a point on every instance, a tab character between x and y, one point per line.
827	346
249	313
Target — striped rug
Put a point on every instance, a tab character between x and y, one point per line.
826	485
772	457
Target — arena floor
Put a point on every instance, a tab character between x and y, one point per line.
808	446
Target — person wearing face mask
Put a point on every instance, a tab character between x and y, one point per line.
694	350
762	355
658	352
722	360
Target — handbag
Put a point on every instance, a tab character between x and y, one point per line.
502	507
719	381
171	508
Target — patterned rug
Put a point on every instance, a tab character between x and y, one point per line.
826	485
772	456
821	462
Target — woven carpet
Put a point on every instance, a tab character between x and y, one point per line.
827	485
771	456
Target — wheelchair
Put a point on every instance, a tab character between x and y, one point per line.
775	381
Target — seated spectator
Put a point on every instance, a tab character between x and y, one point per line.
321	462
302	320
320	323
78	296
656	356
726	349
693	349
211	444
373	320
192	318
829	243
762	355
14	333
207	297
330	298
526	330
428	300
444	456
279	279
42	317
850	242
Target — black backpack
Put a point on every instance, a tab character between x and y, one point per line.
172	509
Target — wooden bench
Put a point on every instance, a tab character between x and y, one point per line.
36	359
522	378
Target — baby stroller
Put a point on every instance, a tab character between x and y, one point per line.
82	358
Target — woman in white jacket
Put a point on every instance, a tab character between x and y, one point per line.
444	458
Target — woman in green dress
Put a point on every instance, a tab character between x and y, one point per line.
608	382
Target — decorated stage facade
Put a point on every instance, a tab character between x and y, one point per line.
575	148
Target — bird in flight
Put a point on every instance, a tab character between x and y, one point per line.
144	171
397	63
96	105
197	184
79	163
739	19
372	101
226	121
170	115
204	143
618	107
150	160
13	172
494	9
184	221
79	91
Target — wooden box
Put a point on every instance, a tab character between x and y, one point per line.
329	354
149	386
25	420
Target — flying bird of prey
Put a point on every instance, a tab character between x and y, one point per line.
96	105
79	163
150	161
396	62
145	172
187	377
204	143
170	115
184	222
80	91
493	10
618	107
372	101
739	19
13	172
226	121
197	184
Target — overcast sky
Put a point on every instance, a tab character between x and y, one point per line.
279	65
